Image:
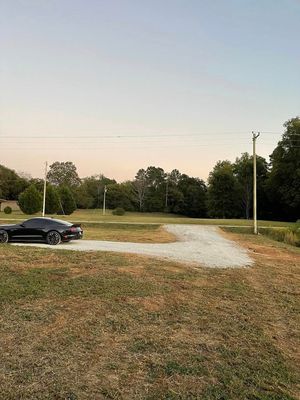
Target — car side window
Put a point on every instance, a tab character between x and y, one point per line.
52	224
33	223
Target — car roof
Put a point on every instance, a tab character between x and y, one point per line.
58	221
39	218
43	218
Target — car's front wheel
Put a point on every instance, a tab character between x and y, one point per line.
3	236
53	238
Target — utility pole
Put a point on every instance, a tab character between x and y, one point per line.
45	189
254	137
98	196
104	199
167	192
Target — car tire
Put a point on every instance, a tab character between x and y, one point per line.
3	236
53	238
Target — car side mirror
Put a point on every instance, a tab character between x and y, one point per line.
22	225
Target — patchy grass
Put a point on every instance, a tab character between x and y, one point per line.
112	326
137	233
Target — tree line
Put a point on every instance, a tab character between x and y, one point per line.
227	193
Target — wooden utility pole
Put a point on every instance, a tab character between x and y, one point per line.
167	193
104	199
45	189
254	137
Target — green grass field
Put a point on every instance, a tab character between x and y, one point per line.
113	326
96	216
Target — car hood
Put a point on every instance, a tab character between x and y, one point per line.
7	226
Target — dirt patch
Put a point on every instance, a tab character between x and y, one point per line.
134	270
148	303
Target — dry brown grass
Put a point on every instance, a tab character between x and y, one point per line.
283	264
113	326
128	233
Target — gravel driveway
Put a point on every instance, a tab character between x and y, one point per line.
198	245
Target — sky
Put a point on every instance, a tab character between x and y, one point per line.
119	85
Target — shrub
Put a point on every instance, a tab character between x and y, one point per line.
119	211
30	201
52	200
291	238
67	200
287	235
7	210
274	233
295	233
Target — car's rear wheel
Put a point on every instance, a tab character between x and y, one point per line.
53	238
3	236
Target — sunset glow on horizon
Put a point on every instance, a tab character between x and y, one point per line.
121	85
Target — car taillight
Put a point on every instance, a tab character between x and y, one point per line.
73	229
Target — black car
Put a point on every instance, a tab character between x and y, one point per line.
51	231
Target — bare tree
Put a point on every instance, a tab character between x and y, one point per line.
24	175
140	187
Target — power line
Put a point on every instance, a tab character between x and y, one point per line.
146	141
135	136
141	141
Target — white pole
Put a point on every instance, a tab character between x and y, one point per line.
45	189
167	193
104	199
254	137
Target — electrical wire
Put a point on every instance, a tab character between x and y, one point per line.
135	136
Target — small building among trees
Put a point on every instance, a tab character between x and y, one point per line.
13	204
2	201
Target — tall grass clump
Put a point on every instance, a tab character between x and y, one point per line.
287	235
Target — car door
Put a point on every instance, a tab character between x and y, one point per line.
18	232
31	230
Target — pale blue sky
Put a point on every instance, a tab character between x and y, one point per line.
207	72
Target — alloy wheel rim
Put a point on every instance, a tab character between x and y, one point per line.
3	237
53	238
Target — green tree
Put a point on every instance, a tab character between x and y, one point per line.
223	191
83	198
38	183
284	180
194	192
63	174
174	177
120	195
174	199
30	201
52	200
11	184
90	192
67	200
156	189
